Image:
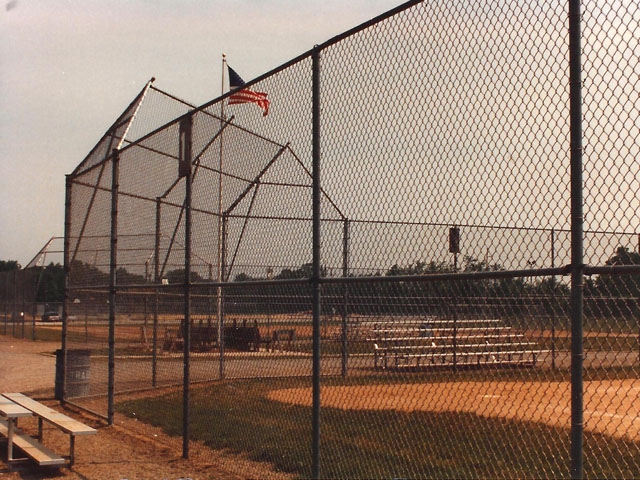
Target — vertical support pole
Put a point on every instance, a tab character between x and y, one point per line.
345	296
552	303
144	311
577	226
455	336
10	439
185	157
5	300
23	284
315	276
220	297
72	450
66	268
34	313
210	297
14	314
220	325
6	303
34	306
112	284
156	280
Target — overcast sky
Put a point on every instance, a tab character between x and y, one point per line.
70	67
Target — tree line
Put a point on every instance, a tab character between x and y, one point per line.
611	294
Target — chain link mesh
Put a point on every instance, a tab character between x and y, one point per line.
31	297
445	236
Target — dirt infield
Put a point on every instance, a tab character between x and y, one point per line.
612	407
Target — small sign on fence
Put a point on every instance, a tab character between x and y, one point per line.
454	240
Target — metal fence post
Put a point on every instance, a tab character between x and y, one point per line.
112	284
15	305
23	308
5	300
455	336
2	305
156	280
553	307
34	313
315	276
345	296
220	297
577	226
66	268
185	158
220	272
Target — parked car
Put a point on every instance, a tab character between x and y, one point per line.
51	316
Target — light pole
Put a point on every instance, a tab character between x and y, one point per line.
531	263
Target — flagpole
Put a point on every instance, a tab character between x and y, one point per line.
220	239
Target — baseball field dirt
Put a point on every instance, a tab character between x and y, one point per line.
544	402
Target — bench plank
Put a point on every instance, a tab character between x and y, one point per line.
31	447
65	423
11	409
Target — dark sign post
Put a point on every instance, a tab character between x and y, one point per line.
454	245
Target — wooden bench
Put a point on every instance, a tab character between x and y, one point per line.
67	424
30	446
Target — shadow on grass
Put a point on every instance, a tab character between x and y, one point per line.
236	415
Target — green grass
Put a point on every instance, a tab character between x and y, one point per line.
42	334
236	415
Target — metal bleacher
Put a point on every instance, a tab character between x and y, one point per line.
433	342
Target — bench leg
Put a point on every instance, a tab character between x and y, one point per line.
10	440
40	429
72	444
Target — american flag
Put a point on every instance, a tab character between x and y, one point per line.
246	95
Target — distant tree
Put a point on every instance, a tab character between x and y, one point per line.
8	265
551	286
471	264
243	277
124	277
82	273
51	283
419	268
176	277
616	284
304	271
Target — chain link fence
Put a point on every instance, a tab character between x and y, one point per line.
31	297
383	277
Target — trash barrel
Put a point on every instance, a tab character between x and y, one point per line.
78	373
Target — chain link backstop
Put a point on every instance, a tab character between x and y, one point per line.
423	262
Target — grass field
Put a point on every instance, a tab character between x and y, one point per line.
371	443
43	333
